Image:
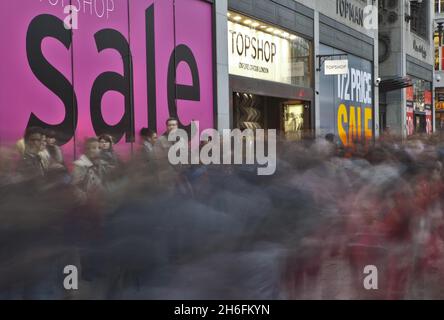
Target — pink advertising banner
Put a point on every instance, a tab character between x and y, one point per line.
124	65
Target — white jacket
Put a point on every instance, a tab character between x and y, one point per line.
87	177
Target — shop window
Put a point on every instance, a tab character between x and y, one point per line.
441	51
437	45
293	121
421	95
439	6
419	13
439	99
439	120
263	51
438	41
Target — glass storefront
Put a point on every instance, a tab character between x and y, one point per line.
419	106
438	43
439	6
275	69
439	118
291	118
262	51
439	109
422	94
437	40
294	120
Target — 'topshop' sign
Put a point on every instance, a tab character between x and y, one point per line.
127	65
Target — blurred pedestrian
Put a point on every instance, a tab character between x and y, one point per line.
53	149
107	152
43	153
172	125
89	172
150	147
31	166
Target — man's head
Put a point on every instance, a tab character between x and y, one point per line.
148	135
33	140
172	125
92	148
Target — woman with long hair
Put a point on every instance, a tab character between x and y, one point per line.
107	153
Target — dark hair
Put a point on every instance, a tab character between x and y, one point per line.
146	133
171	119
32	130
107	138
330	137
51	134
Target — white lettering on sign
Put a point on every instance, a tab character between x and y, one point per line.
97	8
258	54
355	85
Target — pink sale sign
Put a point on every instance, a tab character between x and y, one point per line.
126	65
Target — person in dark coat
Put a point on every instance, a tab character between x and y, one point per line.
107	153
30	166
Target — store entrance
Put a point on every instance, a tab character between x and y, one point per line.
420	123
439	120
291	118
